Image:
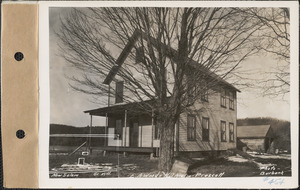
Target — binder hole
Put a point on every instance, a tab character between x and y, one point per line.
19	56
20	134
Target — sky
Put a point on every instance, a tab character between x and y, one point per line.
67	106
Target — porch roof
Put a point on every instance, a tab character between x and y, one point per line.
119	108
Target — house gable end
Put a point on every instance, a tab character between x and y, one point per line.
170	52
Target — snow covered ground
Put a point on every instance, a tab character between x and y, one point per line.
272	156
238	158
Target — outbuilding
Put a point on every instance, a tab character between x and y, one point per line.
255	137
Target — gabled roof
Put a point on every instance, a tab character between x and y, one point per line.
170	52
253	131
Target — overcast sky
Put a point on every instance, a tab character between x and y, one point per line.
67	106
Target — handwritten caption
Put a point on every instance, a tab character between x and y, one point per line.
64	175
273	181
166	174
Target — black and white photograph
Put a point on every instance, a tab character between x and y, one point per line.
170	92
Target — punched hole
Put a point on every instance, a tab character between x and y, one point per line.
19	56
20	134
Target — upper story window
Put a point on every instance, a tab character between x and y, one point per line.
231	132
223	131
191	92
191	128
119	91
223	98
191	88
231	100
204	95
139	56
205	129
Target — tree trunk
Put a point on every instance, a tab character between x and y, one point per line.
166	126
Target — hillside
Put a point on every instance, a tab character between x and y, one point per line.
281	129
67	129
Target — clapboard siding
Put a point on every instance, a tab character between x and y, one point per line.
212	110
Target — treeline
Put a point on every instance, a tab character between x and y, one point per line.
281	129
67	129
74	141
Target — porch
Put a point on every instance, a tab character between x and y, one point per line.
127	129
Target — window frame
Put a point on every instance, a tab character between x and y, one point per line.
231	132
191	130
223	132
231	100
204	95
191	91
139	55
205	132
223	98
119	92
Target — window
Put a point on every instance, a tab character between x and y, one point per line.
139	56
205	129
231	132
223	98
119	127
119	91
192	86
204	95
231	101
223	131
192	90
191	128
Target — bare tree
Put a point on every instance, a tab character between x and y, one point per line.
185	51
275	41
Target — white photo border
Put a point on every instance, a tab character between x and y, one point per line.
228	182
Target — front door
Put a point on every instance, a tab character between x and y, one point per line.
134	134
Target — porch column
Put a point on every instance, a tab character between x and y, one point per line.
90	132
152	125
177	136
108	98
125	126
106	131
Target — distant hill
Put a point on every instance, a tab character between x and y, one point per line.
67	129
67	141
281	129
